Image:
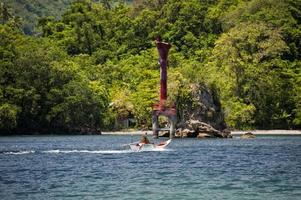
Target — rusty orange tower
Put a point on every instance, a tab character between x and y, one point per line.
163	108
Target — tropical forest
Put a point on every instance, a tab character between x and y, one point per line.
74	65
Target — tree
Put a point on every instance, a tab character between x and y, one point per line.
282	14
297	96
9	95
248	60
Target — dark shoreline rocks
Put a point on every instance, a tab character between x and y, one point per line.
197	129
248	135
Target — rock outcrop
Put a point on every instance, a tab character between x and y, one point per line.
196	128
200	115
204	106
248	135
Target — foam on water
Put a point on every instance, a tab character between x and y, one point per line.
18	152
101	151
88	151
58	151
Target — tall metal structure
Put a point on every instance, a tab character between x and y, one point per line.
163	108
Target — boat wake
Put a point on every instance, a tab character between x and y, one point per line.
60	151
18	152
88	151
56	151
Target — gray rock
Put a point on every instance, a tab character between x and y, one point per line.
196	128
204	135
248	135
185	133
203	106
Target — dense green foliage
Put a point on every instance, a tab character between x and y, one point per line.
98	63
31	10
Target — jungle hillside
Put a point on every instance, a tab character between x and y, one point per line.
74	65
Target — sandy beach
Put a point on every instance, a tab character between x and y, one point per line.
269	132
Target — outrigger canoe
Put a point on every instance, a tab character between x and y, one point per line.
149	147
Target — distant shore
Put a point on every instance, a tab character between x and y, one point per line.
255	132
150	133
269	132
130	132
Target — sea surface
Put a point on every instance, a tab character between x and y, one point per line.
103	167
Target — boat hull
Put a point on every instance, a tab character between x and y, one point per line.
149	147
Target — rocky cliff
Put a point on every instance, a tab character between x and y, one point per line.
202	116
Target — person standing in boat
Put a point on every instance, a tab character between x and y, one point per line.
144	139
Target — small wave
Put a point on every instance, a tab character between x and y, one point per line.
51	151
89	151
18	152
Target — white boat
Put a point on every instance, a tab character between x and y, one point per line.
149	147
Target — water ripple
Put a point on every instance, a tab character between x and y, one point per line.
96	167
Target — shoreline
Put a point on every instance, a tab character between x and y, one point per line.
255	132
268	132
126	132
150	133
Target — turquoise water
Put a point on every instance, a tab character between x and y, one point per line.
100	167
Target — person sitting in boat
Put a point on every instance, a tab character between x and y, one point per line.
162	143
144	139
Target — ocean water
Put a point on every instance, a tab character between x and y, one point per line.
102	167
